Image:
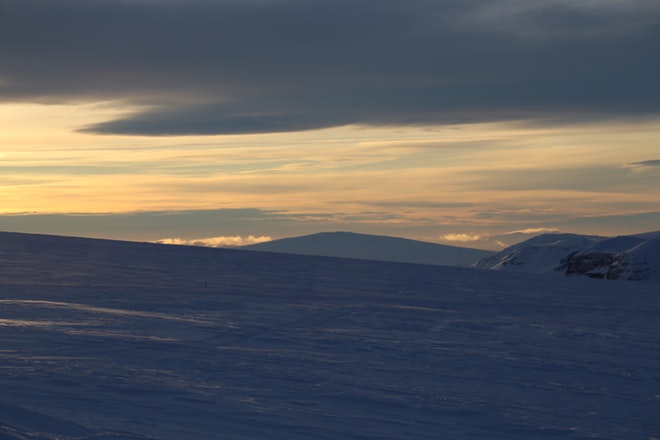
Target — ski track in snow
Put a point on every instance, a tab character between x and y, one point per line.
156	342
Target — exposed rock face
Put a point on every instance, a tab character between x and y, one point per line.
604	265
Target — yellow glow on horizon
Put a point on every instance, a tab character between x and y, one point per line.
49	167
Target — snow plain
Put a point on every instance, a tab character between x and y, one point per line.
115	340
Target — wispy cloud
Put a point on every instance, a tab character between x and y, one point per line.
540	18
216	242
498	240
533	231
645	163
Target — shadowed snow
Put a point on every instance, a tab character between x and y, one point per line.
116	340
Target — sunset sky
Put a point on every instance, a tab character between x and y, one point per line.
474	123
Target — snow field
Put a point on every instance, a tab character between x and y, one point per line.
111	340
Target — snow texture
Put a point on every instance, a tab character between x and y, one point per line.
115	340
633	257
373	247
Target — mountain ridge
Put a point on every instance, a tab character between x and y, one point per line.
624	257
373	247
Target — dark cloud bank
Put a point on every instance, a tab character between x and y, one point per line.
251	66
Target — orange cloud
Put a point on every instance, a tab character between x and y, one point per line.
223	241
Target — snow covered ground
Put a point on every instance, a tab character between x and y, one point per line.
114	340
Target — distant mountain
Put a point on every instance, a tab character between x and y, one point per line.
630	257
373	247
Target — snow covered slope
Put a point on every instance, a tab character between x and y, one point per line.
113	340
373	247
633	257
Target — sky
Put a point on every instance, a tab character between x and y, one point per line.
217	122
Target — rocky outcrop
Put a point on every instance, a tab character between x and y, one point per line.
605	265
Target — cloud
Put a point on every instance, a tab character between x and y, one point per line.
146	225
230	241
538	18
533	231
645	163
461	237
500	240
227	66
